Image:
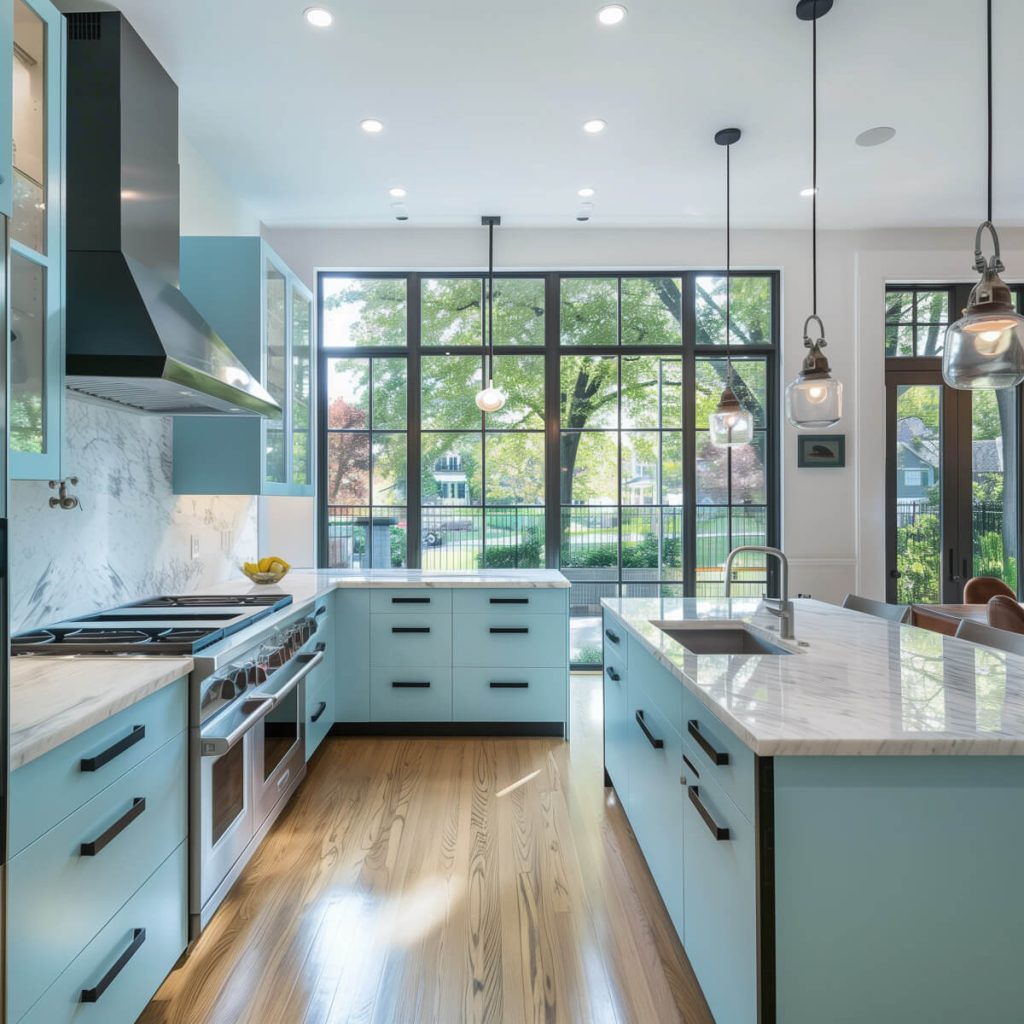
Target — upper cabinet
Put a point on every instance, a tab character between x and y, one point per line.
262	310
33	195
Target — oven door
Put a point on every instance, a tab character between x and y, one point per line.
227	749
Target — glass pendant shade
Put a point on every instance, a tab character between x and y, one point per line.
730	425
814	399
984	349
490	398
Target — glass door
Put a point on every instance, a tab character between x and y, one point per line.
275	331
302	386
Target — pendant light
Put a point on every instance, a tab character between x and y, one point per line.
814	399
490	398
983	349
730	425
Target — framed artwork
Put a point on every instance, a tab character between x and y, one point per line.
821	451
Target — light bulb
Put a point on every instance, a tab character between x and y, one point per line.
992	336
816	394
490	398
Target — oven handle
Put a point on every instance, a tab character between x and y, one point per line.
214	746
310	662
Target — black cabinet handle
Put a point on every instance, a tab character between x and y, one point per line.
614	637
92	995
91	849
718	757
689	764
410	600
320	709
510	629
510	600
322	610
320	648
91	764
720	834
612	674
509	686
651	738
400	685
410	629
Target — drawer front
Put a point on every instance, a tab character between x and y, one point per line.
48	789
709	742
525	641
410	694
613	636
60	898
410	639
411	599
158	908
720	893
510	694
666	691
319	714
520	600
616	735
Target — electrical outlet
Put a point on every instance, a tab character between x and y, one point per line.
195	546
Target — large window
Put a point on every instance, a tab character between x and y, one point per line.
599	463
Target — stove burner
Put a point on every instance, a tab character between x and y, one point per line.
39	636
107	636
214	601
180	636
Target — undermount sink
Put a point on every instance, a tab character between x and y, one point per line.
724	636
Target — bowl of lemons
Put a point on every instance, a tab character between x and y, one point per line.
267	570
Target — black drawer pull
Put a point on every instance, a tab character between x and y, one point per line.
614	637
509	686
612	674
91	849
410	629
510	600
651	738
404	685
320	648
689	764
410	600
322	610
718	757
720	834
510	629
320	709
92	995
91	764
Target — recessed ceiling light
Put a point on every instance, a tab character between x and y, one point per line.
318	17
397	192
585	193
875	136
808	192
611	14
594	126
371	125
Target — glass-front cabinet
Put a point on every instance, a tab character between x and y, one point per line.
265	314
35	193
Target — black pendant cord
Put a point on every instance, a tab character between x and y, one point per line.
728	265
490	302
814	166
989	84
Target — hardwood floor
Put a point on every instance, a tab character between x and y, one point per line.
444	880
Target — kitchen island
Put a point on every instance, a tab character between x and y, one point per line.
836	828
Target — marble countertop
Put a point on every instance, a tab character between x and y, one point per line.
54	699
861	686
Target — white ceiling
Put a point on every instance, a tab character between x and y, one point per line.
483	103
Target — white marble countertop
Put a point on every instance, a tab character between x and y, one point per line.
862	686
54	699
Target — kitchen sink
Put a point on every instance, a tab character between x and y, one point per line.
714	636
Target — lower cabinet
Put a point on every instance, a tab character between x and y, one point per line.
508	694
352	655
410	694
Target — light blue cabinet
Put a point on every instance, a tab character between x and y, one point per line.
352	661
411	693
33	192
6	103
319	686
265	314
616	733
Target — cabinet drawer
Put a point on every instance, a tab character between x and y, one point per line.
613	636
415	639
60	897
351	643
410	694
319	714
720	894
525	641
49	788
509	694
710	743
158	908
519	600
411	599
616	735
666	691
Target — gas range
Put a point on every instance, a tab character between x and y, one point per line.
160	625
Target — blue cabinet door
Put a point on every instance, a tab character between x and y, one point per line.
616	737
352	655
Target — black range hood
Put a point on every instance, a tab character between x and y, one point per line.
132	336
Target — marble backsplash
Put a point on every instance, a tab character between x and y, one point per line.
132	536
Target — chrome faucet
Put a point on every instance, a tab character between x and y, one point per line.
781	607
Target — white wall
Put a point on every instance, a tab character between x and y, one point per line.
833	520
208	206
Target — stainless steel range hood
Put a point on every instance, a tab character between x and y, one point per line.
132	337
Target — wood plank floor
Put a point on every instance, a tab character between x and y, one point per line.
444	880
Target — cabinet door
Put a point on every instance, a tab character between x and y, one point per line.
302	389
275	344
37	241
616	733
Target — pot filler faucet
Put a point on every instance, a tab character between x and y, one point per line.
781	607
